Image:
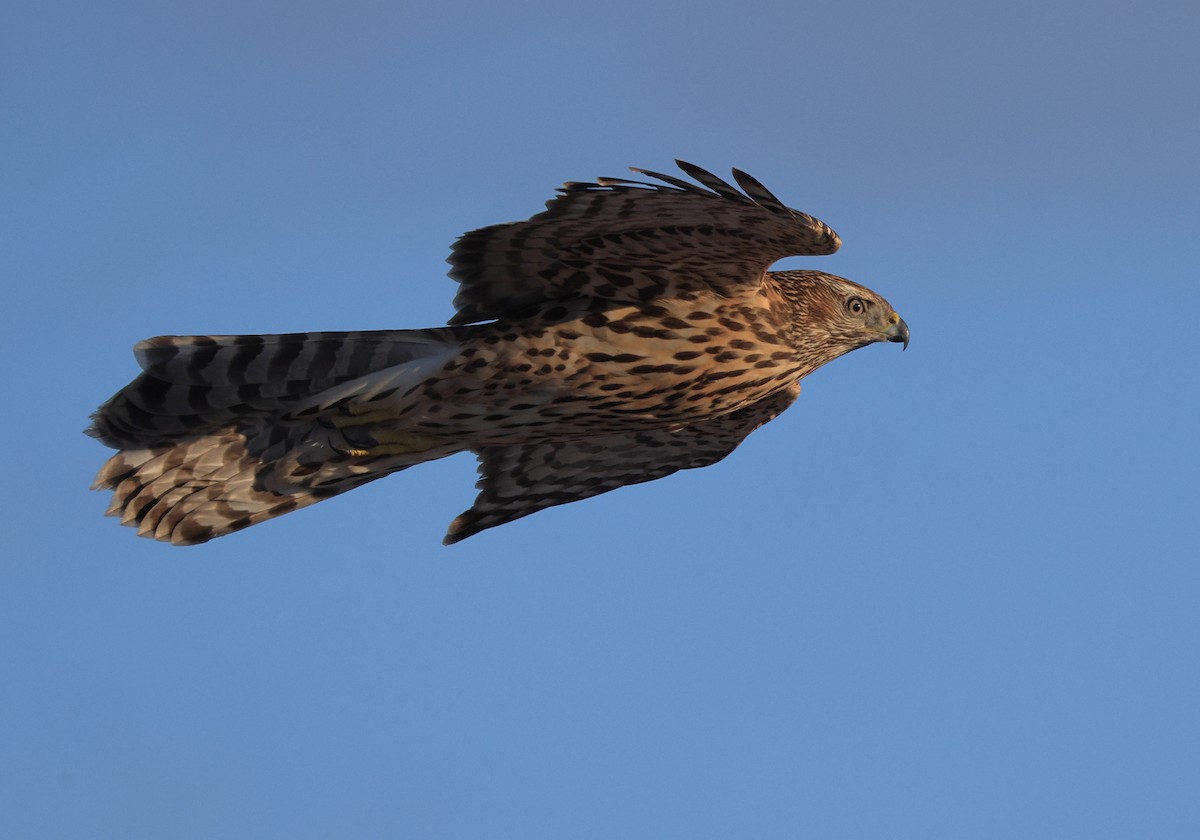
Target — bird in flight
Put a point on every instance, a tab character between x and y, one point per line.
630	330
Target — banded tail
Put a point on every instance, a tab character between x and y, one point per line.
221	432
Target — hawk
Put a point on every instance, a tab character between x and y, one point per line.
629	331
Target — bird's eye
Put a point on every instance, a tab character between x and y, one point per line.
856	306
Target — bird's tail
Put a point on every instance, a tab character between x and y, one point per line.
221	432
191	385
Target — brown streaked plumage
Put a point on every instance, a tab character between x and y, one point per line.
629	331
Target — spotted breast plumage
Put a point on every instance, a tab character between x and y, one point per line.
629	331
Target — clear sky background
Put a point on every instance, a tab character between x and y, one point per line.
952	593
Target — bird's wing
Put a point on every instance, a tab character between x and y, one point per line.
519	480
631	241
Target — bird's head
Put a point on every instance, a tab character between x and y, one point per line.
833	315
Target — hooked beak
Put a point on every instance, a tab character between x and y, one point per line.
897	330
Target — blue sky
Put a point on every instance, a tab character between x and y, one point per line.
951	593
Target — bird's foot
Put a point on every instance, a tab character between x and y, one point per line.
377	441
358	416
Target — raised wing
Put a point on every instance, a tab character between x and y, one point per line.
621	240
519	480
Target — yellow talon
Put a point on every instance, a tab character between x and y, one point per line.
360	417
380	438
396	449
395	443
